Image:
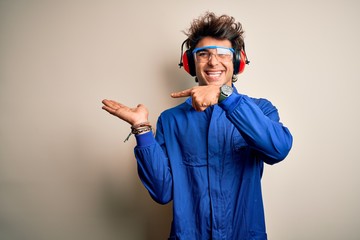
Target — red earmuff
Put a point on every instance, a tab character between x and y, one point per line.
240	61
188	63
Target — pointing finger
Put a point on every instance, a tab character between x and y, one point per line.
185	93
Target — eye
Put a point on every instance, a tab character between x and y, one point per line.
202	54
223	55
223	52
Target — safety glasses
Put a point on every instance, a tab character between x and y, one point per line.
222	54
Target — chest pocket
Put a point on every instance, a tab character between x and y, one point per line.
193	155
195	161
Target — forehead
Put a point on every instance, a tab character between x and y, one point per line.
209	41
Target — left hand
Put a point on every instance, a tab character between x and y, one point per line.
133	116
202	96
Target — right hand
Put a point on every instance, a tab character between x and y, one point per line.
133	116
202	96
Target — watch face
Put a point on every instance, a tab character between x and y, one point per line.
226	90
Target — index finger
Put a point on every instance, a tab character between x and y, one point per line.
111	103
185	93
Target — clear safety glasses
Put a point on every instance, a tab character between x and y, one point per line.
222	54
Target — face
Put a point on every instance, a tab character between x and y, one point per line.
215	71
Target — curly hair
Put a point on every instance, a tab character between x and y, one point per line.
210	25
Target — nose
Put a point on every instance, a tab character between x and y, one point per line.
213	59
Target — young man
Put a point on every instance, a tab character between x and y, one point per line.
208	153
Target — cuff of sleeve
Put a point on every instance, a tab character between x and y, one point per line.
231	102
145	139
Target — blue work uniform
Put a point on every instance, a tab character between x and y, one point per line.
210	165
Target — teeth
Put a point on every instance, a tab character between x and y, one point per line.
214	73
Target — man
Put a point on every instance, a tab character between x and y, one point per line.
208	153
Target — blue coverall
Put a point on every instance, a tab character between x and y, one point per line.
210	165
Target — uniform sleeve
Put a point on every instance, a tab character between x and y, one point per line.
259	123
153	166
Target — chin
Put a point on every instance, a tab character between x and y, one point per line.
218	82
204	83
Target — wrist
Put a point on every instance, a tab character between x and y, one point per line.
140	128
225	92
138	122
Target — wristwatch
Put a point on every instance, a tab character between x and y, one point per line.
225	91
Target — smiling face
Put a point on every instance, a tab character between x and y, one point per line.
215	71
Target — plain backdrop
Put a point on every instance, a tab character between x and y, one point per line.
65	173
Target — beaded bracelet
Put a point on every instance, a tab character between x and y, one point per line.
139	128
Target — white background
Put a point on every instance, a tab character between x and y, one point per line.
65	172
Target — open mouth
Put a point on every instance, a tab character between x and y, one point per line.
214	75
